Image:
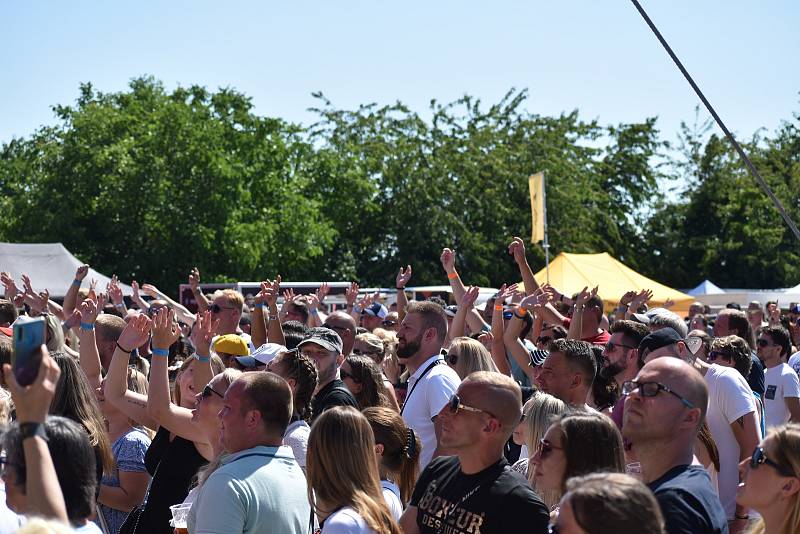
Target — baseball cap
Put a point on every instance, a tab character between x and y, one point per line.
376	309
231	344
262	355
451	310
795	309
663	337
324	337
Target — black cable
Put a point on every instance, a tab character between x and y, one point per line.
707	104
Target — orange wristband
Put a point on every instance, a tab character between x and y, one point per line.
522	311
498	308
452	275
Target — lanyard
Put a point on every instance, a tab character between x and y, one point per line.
425	372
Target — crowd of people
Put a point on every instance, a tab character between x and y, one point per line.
533	412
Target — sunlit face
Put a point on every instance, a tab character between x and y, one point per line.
462	430
233	420
556	377
764	486
550	461
324	360
208	404
185	381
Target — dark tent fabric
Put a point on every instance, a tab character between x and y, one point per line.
49	265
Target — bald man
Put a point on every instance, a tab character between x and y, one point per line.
665	407
475	491
343	324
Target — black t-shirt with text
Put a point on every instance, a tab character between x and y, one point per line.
496	500
333	394
688	501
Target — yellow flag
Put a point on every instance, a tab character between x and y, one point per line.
536	183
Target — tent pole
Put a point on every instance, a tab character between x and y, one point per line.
546	244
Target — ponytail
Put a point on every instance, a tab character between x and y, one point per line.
401	448
409	470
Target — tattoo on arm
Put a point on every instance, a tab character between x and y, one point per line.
137	403
741	421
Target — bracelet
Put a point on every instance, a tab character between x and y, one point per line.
159	352
32	430
498	308
314	311
452	275
123	350
87	326
561	297
261	305
77	282
737	516
522	312
272	317
120	306
203	359
400	288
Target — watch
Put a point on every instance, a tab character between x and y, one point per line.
29	430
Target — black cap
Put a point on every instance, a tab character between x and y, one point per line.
324	337
662	337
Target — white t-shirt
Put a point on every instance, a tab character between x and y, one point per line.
794	362
392	495
780	382
729	398
425	400
346	521
296	437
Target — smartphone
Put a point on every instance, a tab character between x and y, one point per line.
27	357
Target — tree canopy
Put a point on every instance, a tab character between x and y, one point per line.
147	183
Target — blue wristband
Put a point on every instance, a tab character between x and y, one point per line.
87	326
202	359
77	282
314	311
262	305
160	352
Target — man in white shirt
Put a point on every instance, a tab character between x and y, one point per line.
431	382
782	394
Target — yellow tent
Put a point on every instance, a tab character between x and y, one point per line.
570	273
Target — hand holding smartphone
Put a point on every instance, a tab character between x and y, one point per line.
29	336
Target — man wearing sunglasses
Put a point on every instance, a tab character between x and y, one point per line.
621	358
665	407
475	491
781	398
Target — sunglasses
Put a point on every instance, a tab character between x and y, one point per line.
216	308
388	323
714	354
650	389
451	358
763	342
359	352
454	405
344	374
507	315
208	390
760	457
545	448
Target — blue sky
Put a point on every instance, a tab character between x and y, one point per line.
595	56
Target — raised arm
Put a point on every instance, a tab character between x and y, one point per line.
136	297
115	295
400	282
498	329
71	298
350	296
42	488
180	310
448	259
89	355
517	249
576	325
274	328
199	296
258	318
464	306
175	418
132	404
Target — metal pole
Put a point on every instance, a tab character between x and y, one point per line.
545	244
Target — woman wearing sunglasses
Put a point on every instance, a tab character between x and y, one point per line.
364	379
771	481
467	355
577	444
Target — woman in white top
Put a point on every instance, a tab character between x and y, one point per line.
343	481
397	450
301	375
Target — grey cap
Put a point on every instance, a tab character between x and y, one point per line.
324	337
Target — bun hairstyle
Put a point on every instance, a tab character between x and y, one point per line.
401	447
295	365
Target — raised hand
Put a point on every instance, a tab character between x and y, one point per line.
470	296
313	302
82	271
102	298
517	249
73	320
150	290
115	292
165	329
486	339
38	301
553	293
11	289
641	297
33	402
537	299
584	295
322	292
194	279
403	276
504	292
366	301
135	291
627	298
448	259
203	333
669	303
351	294
135	334
88	311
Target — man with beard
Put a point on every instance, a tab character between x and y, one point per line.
431	382
621	358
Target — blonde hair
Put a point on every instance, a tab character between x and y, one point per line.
540	411
786	453
56	340
232	297
472	356
343	469
38	525
216	367
375	343
6	407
